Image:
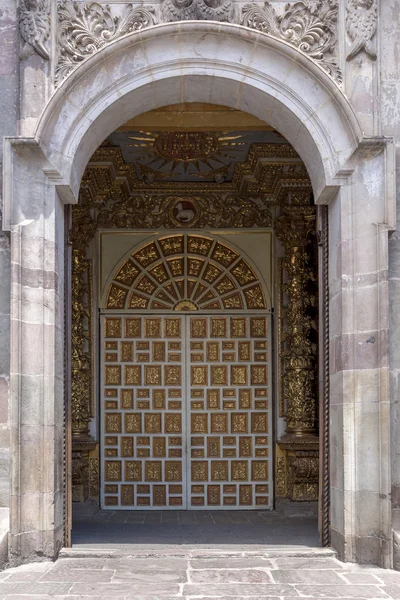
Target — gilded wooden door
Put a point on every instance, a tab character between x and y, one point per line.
143	412
186	412
229	412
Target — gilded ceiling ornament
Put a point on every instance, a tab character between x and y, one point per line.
197	10
84	28
185	211
34	26
311	28
361	25
270	174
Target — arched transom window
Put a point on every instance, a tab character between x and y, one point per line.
186	272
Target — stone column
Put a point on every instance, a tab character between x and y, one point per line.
299	446
36	221
359	217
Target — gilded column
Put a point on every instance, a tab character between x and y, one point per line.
84	447
297	456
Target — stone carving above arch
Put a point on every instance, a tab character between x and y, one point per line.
310	28
361	25
186	272
34	26
197	10
86	27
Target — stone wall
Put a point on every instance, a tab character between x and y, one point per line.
9	85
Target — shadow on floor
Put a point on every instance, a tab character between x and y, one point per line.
222	530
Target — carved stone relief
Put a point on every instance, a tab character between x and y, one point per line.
84	28
361	25
34	26
197	10
310	28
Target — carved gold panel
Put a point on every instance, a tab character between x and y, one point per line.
218	327
152	423
126	446
259	375
239	375
213	351
133	375
159	495
239	422
126	399
158	399
173	423
158	352
238	327
198	327
259	470
133	328
152	328
219	375
113	327
213	399
113	422
173	330
199	423
245	351
111	452
113	470
111	404
219	423
219	470
113	375
199	470
172	375
199	375
133	422
152	375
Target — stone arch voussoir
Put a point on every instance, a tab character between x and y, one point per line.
200	62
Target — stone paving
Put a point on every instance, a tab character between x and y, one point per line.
190	577
145	531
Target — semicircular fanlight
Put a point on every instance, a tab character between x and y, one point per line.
186	272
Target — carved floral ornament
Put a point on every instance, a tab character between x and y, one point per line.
85	27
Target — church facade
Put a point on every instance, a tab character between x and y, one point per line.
200	265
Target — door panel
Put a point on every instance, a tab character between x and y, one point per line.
186	398
143	425
229	413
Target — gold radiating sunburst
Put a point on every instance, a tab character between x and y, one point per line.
193	151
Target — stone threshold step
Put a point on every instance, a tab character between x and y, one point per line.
197	554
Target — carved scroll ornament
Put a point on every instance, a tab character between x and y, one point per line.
197	10
85	28
361	25
34	26
310	28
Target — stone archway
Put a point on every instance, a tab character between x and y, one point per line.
275	82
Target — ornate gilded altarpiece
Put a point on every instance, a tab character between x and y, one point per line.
271	189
